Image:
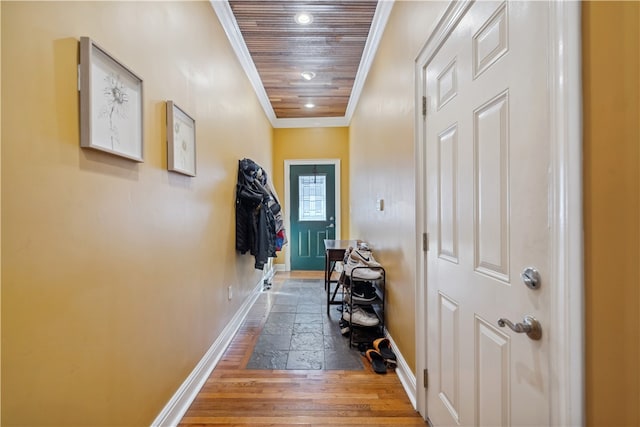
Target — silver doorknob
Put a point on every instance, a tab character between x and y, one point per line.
529	326
531	278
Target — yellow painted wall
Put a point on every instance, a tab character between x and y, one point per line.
114	273
312	143
0	221
383	163
611	74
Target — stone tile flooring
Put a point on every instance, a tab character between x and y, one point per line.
297	332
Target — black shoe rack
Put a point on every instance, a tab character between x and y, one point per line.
360	334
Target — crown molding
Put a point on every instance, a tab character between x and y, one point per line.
380	18
230	26
231	29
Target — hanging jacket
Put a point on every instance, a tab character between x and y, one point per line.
248	198
255	220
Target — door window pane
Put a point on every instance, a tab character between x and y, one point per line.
312	197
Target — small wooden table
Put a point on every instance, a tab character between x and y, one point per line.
334	251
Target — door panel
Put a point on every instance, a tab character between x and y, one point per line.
492	399
449	372
486	183
491	222
312	193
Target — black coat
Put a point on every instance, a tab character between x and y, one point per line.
255	222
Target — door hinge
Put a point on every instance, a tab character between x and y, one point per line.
425	242
425	379
79	78
424	106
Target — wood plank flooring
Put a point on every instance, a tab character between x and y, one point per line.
235	396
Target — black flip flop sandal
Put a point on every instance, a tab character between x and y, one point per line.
383	346
377	361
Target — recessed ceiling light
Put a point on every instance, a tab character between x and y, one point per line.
304	18
309	105
308	75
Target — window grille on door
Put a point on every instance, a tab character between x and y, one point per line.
312	197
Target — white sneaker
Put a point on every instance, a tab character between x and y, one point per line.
360	317
365	257
360	273
363	246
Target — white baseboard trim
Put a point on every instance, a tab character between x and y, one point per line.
177	406
404	373
179	403
280	267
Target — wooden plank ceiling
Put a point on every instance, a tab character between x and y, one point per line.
330	46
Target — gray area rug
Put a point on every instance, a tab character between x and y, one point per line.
297	333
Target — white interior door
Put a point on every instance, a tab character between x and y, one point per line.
487	212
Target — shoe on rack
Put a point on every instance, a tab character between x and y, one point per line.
360	317
347	253
363	246
362	292
363	288
344	327
361	298
360	273
365	257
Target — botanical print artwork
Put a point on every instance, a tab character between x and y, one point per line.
180	151
116	103
111	104
183	143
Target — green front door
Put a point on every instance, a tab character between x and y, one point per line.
313	213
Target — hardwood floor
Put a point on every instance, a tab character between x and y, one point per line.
236	396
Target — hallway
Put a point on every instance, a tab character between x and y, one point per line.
297	333
303	391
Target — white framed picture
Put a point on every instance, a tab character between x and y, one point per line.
181	140
110	104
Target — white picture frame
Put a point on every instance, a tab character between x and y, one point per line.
181	140
111	104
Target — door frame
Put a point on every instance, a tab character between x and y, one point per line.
287	196
566	343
